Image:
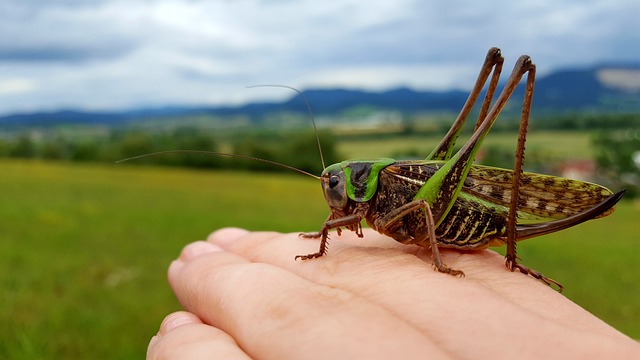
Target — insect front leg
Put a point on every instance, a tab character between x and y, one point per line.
351	222
387	221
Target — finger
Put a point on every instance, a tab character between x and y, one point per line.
484	267
183	336
177	319
229	234
273	313
408	287
349	251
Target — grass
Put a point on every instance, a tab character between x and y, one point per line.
84	250
555	144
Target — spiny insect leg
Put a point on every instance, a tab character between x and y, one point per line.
431	228
492	64
491	90
511	255
513	265
446	184
348	221
390	218
324	237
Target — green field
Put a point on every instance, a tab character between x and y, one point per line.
84	250
554	144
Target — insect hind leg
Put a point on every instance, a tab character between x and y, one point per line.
513	265
511	257
492	66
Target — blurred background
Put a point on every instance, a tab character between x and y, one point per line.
85	243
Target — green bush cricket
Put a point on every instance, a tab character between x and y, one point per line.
448	201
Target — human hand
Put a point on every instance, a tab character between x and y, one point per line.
368	298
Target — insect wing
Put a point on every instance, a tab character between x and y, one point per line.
542	196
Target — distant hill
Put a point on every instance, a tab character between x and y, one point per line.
605	88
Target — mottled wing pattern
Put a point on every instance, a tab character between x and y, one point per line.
542	197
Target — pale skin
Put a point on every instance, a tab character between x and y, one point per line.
372	298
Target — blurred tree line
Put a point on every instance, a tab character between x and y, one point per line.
586	121
616	144
618	155
297	149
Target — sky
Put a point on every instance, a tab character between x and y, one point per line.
104	55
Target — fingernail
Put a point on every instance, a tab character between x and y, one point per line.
198	248
226	236
174	320
152	344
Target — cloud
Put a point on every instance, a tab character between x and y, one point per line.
62	33
16	86
105	54
62	52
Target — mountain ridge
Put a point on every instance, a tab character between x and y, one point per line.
596	89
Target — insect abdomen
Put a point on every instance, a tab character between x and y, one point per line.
468	225
471	226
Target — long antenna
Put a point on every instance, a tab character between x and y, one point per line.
215	153
306	101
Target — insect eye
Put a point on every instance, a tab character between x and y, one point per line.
334	181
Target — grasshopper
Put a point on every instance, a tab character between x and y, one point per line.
447	201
